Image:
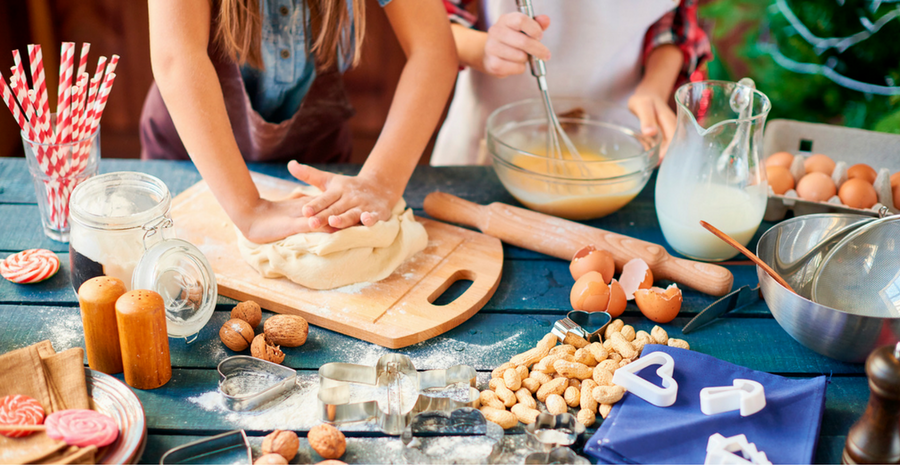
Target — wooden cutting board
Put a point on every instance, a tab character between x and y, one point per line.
394	313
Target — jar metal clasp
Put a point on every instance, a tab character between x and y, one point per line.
158	226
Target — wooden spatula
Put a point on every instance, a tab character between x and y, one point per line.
562	238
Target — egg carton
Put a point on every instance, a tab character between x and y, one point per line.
847	147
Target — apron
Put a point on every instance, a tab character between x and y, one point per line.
596	48
318	132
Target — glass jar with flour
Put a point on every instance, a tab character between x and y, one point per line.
121	227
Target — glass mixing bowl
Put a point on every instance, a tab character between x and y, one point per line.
617	159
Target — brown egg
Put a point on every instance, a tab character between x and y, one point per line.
897	197
780	179
862	171
617	300
895	180
659	305
782	159
816	186
591	259
819	163
857	193
590	293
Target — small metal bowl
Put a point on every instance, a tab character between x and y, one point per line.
831	332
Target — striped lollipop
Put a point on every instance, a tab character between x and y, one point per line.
20	410
29	266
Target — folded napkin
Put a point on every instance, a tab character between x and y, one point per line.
57	382
638	432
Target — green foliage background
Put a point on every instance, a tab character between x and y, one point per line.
743	28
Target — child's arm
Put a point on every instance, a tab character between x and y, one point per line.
425	84
503	50
650	101
184	73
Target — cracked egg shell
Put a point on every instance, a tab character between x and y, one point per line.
659	305
635	275
589	258
590	293
617	300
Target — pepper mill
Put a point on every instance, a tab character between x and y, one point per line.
97	299
141	316
875	438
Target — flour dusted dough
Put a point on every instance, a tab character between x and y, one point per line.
353	255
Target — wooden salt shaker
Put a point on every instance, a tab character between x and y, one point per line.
97	299
875	438
141	316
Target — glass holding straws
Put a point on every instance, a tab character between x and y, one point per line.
62	148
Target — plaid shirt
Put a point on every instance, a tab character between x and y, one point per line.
678	27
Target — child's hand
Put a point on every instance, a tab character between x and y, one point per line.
275	220
654	113
507	48
345	200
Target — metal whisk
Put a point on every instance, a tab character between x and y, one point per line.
555	132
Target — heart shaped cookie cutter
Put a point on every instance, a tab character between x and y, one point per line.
247	382
664	396
431	391
588	325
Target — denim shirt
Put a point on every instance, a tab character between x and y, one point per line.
277	90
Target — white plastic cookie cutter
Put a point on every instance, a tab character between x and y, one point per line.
745	395
664	396
733	451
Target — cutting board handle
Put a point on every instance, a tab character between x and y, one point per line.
474	297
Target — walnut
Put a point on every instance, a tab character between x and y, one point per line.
236	334
281	442
327	441
287	330
264	349
248	311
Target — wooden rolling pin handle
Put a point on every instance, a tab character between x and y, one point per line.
705	277
452	209
141	316
97	299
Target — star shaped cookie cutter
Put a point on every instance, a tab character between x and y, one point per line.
396	375
735	450
588	325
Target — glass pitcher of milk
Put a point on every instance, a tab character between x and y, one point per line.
712	170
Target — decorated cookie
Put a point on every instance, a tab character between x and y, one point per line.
29	266
82	428
20	410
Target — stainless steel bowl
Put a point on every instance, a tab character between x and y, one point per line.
790	248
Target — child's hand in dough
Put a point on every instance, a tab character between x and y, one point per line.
654	113
345	200
507	48
275	220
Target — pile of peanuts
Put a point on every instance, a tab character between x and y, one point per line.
575	374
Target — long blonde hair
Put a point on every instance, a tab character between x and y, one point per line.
238	31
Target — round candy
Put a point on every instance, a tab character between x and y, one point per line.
82	428
29	266
20	410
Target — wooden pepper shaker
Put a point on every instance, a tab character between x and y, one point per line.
97	299
141	316
875	438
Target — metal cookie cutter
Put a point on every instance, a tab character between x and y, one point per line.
248	382
551	431
230	447
659	396
335	380
557	455
431	437
588	325
724	451
746	395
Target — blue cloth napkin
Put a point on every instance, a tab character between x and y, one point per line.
638	432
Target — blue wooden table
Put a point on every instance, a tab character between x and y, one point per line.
533	293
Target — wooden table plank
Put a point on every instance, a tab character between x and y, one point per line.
485	341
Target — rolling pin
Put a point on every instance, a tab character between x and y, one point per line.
562	238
